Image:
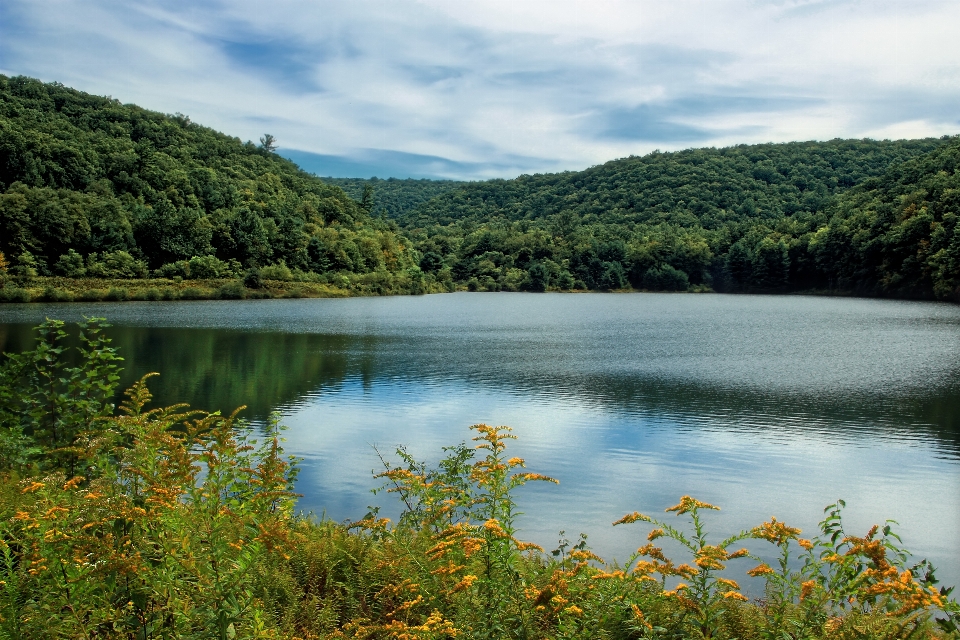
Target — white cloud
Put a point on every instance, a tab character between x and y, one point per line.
503	87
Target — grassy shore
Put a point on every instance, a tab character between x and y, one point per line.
60	289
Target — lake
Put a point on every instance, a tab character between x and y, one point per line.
764	405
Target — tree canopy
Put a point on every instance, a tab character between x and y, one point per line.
84	179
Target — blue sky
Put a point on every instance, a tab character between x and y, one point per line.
474	89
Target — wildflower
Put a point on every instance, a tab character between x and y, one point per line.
72	483
574	610
516	462
468	580
530	477
760	570
688	504
653	535
33	486
806	544
806	588
733	595
775	532
631	517
730	583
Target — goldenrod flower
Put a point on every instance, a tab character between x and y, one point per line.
760	570
688	504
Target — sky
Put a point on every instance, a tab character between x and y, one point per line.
477	89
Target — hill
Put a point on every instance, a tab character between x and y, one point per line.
393	198
744	218
90	186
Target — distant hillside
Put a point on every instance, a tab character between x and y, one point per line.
90	185
745	218
394	198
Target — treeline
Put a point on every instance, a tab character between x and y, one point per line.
861	216
93	187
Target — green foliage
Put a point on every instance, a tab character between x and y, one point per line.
764	218
394	197
87	174
170	523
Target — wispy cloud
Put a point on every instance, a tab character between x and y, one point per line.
496	87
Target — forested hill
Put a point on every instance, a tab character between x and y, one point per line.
90	185
393	197
774	217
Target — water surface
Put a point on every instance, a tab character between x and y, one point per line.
764	405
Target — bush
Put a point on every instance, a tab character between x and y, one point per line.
117	264
51	294
70	265
117	294
276	272
11	293
92	295
169	293
665	278
179	269
230	291
252	279
150	293
192	293
206	267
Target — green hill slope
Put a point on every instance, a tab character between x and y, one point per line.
745	218
92	186
394	197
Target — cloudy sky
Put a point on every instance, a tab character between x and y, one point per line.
495	88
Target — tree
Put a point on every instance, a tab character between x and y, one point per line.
268	143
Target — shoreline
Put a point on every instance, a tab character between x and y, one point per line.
45	289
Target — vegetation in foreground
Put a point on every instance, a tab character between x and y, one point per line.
174	523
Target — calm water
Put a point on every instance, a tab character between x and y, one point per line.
763	405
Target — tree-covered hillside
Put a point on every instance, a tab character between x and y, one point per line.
90	186
393	197
747	218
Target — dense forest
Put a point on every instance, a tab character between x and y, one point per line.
93	187
860	216
393	197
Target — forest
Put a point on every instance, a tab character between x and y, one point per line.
853	216
92	190
90	187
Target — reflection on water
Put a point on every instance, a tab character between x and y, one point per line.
764	405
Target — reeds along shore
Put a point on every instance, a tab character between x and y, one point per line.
143	522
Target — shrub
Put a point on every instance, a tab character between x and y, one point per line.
179	269
206	267
117	294
252	279
665	278
11	293
192	293
70	265
51	294
92	295
230	291
116	264
277	272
